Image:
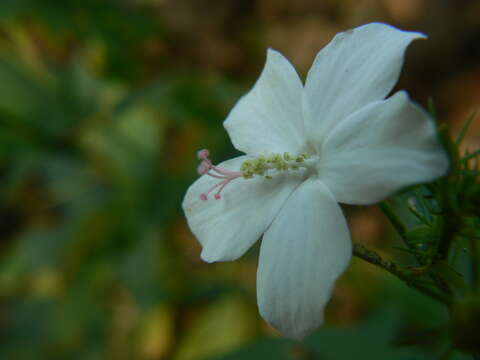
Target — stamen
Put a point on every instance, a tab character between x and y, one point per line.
263	165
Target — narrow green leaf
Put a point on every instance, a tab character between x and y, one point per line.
419	216
464	128
469	156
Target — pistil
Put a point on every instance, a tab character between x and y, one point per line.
207	168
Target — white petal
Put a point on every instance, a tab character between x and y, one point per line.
357	67
269	117
381	148
227	227
303	252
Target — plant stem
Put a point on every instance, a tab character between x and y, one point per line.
402	231
373	258
394	219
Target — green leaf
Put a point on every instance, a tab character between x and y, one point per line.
464	129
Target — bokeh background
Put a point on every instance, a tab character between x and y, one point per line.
103	105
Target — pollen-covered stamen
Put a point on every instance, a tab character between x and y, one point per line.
207	168
262	165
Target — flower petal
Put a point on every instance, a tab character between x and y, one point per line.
269	117
303	252
227	227
379	149
357	67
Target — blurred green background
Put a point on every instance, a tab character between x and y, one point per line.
103	105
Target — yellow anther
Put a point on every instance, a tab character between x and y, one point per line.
262	164
247	169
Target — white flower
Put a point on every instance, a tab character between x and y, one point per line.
308	148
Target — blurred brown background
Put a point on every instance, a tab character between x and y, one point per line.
103	105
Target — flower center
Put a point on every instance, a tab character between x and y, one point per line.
261	166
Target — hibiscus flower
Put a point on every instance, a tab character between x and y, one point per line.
336	139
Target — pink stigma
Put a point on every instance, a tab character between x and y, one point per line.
203	154
207	168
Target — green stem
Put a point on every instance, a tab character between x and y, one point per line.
373	258
394	219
